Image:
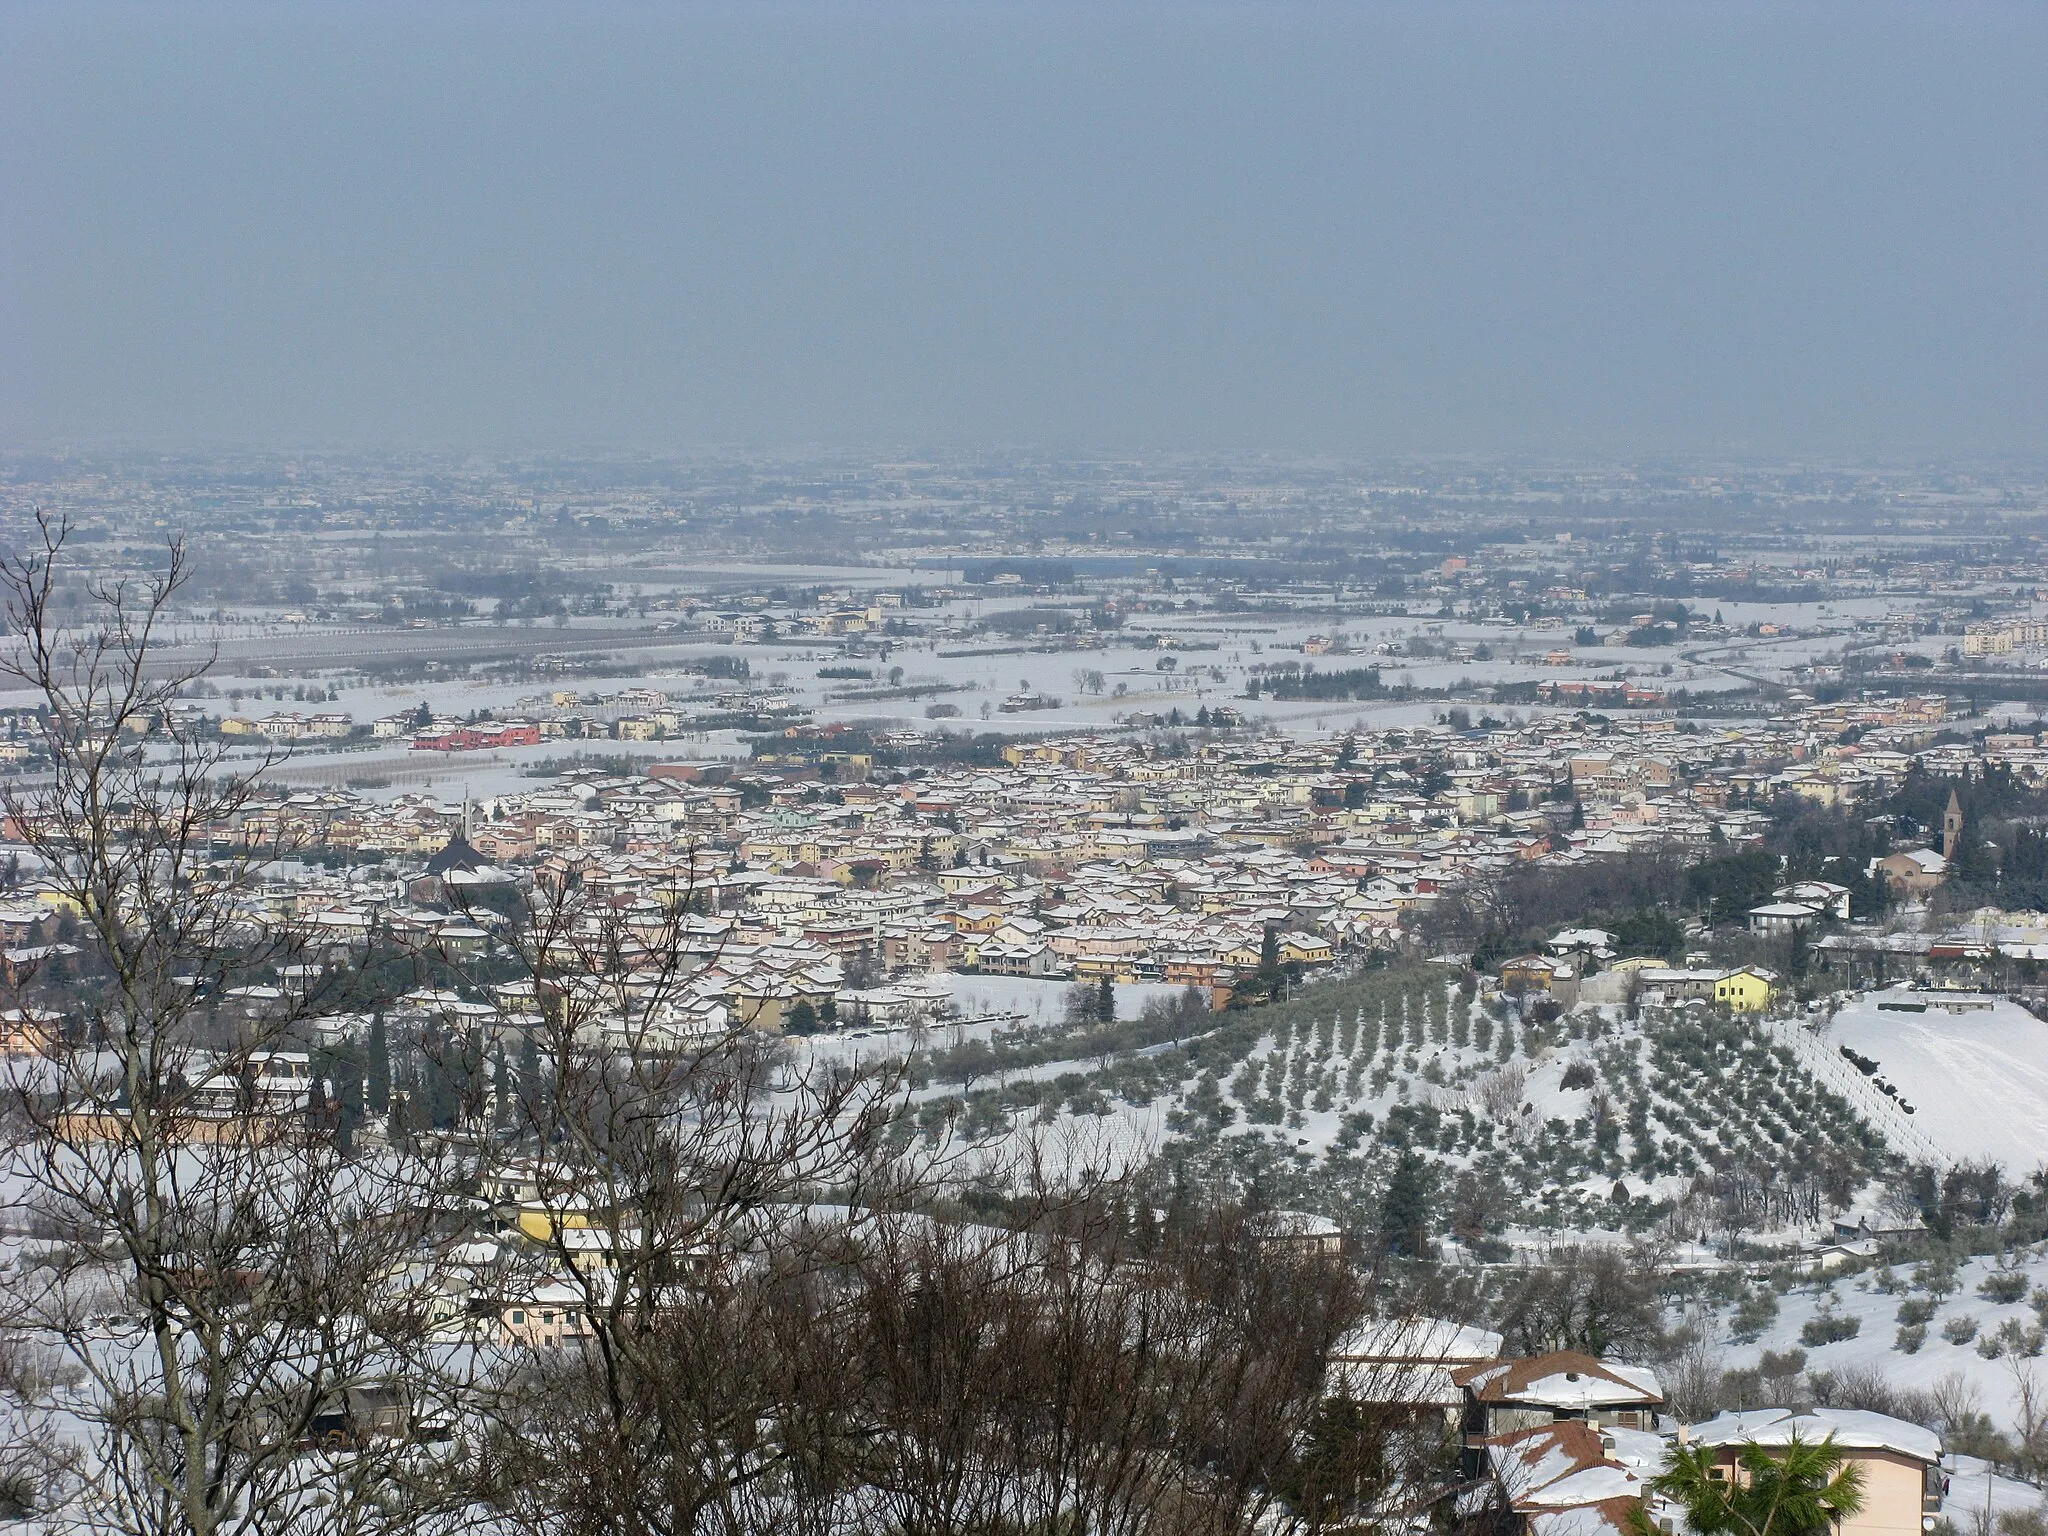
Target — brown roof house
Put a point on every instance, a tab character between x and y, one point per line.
1511	1395
1540	973
1563	1479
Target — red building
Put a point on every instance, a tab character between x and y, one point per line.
479	738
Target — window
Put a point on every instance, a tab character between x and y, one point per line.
518	1316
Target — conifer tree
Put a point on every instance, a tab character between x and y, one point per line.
378	1090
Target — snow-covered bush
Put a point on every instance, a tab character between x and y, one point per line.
2003	1286
1937	1278
1829	1328
2013	1338
1756	1312
1959	1329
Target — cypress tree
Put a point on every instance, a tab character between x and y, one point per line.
378	1096
529	1073
351	1116
501	1088
1105	1001
316	1107
1404	1208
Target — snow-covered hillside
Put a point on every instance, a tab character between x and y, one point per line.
1588	1120
1976	1076
1991	1347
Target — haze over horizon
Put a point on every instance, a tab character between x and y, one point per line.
1488	228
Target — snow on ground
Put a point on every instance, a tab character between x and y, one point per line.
1040	1002
1977	1080
987	1005
1997	1381
1216	656
1973	1487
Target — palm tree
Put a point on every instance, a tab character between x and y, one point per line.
1799	1489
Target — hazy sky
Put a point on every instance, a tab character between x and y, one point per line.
1454	226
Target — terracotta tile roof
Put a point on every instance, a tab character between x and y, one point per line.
1565	1379
1561	1477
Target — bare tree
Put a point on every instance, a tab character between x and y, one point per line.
218	1274
1595	1300
744	1306
1501	1092
664	1172
1071	1369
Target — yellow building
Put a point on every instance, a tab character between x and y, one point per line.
541	1218
1304	949
1747	989
1900	1462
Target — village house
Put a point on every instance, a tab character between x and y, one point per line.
1564	1479
1900	1462
1512	1395
1540	973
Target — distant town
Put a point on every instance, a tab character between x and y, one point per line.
1603	912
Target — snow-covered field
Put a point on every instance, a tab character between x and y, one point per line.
1200	658
1039	1002
1977	1079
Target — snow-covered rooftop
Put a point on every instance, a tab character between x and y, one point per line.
1850	1428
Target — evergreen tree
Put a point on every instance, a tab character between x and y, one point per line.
466	1076
1974	863
434	1105
350	1117
1105	1001
1269	961
1404	1207
501	1089
316	1108
529	1072
441	1108
378	1095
